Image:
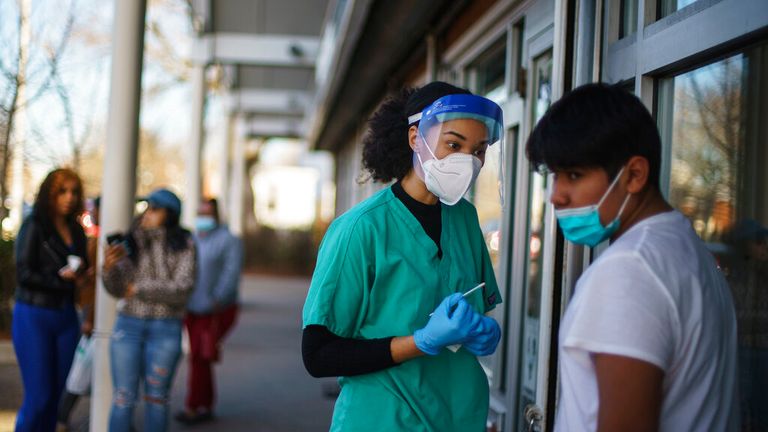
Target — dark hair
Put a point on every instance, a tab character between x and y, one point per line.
596	125
386	153
176	237
49	191
214	203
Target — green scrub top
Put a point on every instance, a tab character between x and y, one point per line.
378	274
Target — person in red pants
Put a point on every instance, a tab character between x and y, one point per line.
212	309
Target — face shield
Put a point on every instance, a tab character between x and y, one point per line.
453	136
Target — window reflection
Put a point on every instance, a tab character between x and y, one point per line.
628	23
488	75
718	180
707	145
537	197
670	6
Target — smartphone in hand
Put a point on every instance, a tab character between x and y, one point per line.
119	239
115	238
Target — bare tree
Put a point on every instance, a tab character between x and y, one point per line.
708	140
18	72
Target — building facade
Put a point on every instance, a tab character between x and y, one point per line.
700	67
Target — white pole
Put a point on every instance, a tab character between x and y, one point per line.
119	181
237	181
194	150
224	170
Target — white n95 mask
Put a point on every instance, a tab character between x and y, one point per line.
451	177
450	123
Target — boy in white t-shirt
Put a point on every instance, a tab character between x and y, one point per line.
648	341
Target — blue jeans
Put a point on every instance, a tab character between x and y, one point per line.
44	340
145	350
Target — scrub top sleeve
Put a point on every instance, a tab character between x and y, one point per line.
491	295
338	293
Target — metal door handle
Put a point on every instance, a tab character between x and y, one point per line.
533	416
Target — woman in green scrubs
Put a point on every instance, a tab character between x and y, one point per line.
385	310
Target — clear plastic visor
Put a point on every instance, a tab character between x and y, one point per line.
453	124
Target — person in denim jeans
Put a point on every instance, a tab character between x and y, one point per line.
152	270
45	327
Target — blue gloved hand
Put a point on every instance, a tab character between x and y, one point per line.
447	326
484	338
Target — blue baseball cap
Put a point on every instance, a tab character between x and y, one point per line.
163	198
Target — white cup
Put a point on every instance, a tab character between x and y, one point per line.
74	262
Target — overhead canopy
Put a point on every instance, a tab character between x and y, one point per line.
271	48
393	38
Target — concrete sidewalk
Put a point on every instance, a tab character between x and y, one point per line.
262	384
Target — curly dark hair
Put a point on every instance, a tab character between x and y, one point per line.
50	190
386	153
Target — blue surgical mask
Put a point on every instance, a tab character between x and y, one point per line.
582	225
205	223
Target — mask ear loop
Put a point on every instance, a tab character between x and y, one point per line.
626	200
610	188
621	209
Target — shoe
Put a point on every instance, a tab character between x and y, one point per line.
189	418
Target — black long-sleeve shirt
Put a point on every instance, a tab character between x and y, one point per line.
327	354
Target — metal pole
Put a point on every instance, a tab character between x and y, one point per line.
194	151
119	181
224	170
237	181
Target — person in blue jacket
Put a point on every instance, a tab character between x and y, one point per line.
212	308
385	310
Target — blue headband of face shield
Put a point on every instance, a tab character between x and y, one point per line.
462	106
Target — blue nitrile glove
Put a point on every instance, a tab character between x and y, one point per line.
447	326
484	338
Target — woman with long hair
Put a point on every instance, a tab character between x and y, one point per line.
50	259
152	271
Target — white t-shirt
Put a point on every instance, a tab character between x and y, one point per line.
655	295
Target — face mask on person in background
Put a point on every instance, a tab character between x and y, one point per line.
205	223
582	225
451	177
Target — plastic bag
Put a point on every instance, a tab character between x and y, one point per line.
79	378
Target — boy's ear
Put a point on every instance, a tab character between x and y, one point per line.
638	169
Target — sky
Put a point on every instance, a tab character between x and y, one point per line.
85	71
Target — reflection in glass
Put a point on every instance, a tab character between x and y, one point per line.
489	72
628	24
488	80
537	198
670	6
706	145
718	180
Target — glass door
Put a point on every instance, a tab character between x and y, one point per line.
537	248
713	129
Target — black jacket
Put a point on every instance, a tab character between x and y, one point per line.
40	254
